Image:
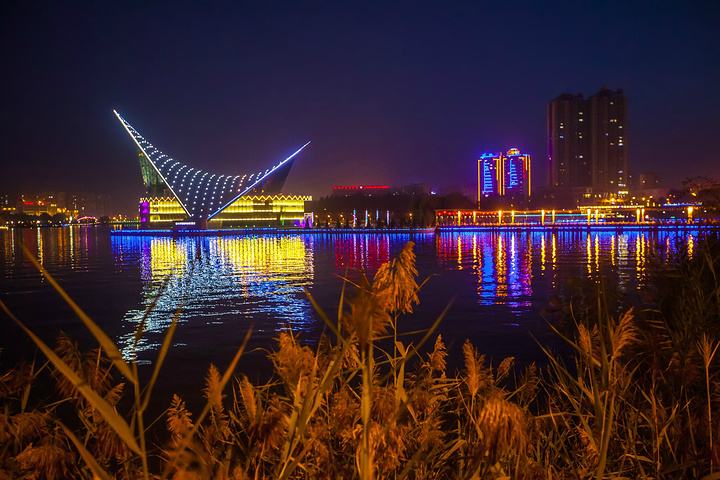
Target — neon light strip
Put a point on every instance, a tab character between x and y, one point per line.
269	172
126	125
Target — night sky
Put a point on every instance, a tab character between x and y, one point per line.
388	92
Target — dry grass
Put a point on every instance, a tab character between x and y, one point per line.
637	397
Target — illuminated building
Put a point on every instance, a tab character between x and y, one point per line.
608	142
516	170
264	210
504	174
568	159
490	176
5	206
587	143
177	194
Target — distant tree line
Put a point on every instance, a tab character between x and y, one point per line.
406	209
44	219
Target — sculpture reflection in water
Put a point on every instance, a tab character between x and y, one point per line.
228	281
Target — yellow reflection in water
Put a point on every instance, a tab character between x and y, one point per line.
40	256
623	261
640	257
267	255
71	236
286	255
612	250
597	252
501	268
459	252
167	257
588	253
690	246
528	256
478	253
474	252
554	255
542	253
513	253
222	269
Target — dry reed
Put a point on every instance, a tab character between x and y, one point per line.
635	398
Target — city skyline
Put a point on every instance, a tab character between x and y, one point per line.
408	240
389	95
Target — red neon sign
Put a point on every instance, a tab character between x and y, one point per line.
361	187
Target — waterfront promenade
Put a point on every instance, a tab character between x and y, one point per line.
614	227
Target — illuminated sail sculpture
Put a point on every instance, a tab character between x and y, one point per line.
204	194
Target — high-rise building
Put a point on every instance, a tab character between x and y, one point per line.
587	142
490	176
517	170
568	157
608	145
504	174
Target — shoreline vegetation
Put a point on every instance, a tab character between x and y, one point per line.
636	395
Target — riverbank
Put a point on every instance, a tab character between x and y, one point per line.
416	231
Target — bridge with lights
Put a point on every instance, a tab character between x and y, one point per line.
185	197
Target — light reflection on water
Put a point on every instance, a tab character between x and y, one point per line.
219	279
507	264
501	281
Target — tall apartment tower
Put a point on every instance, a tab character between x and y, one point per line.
568	157
504	174
587	142
490	176
608	150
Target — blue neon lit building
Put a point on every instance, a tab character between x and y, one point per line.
516	173
501	174
490	175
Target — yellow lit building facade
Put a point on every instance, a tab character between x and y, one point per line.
246	211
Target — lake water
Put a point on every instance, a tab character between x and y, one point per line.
500	283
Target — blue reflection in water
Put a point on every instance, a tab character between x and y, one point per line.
216	281
233	281
508	264
500	282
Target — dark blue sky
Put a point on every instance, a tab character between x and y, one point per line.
388	92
